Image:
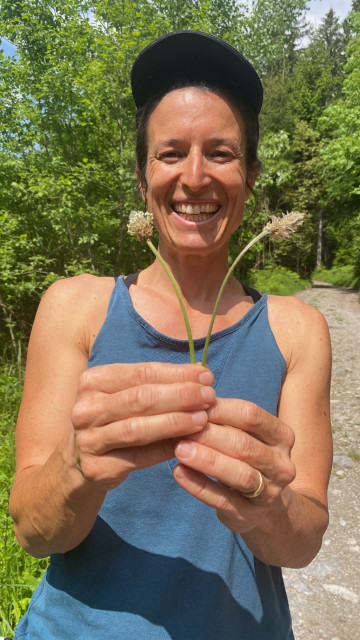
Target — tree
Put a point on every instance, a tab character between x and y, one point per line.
340	155
275	29
67	179
66	146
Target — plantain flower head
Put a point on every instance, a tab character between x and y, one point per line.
140	225
284	226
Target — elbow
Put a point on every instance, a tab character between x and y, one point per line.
32	544
29	537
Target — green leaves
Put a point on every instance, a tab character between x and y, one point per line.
67	178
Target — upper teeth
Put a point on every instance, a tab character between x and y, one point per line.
197	208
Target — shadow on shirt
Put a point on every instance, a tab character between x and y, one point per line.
186	601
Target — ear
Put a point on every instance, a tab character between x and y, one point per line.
142	187
251	178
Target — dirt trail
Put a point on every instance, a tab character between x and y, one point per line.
325	596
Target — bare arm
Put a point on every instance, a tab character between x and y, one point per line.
81	432
285	524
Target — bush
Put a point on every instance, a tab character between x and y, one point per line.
277	280
343	276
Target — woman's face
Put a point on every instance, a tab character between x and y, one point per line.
197	182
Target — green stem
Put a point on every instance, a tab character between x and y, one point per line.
224	283
178	294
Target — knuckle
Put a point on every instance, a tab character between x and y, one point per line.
244	446
80	439
284	434
252	414
144	374
90	379
174	422
185	395
86	442
85	409
141	399
85	381
290	437
286	472
80	414
272	493
224	502
211	460
245	478
130	431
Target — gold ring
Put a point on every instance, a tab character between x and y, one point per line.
256	493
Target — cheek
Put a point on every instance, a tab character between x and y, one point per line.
152	180
159	182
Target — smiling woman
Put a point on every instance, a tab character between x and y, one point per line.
196	179
168	494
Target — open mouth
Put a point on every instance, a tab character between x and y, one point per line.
195	212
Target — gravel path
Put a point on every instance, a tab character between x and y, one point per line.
325	596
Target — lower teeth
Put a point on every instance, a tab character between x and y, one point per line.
197	217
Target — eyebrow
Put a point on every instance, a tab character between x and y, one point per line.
234	143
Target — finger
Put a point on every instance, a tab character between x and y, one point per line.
138	431
110	470
273	462
253	419
233	473
97	409
239	445
231	506
116	377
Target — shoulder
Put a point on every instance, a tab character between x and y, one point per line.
84	285
283	308
298	327
74	306
78	293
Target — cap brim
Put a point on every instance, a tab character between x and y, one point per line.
193	56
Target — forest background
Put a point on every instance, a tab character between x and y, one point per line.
67	181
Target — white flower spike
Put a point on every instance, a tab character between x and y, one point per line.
140	225
285	226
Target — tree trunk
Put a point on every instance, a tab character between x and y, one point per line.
319	240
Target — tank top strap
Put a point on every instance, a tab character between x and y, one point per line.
253	293
128	280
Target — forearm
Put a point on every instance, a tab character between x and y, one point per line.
291	533
53	506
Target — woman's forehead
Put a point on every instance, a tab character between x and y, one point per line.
195	108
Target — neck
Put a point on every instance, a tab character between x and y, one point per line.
199	278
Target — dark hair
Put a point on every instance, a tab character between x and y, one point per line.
142	120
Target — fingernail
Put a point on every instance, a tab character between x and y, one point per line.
208	394
185	450
200	418
206	377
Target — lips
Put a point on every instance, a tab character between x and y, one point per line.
198	212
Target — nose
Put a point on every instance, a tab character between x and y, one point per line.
194	174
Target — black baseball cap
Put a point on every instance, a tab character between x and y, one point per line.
193	56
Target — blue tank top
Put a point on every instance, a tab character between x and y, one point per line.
158	564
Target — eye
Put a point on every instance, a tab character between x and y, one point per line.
221	155
170	156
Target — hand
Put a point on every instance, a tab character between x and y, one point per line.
127	415
239	439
